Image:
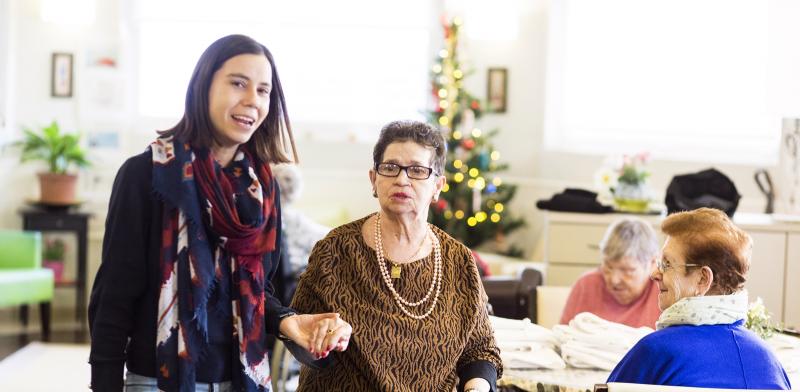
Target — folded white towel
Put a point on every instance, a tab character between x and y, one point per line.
592	342
544	358
524	345
521	330
587	357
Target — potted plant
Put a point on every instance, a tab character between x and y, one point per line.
53	257
625	180
59	150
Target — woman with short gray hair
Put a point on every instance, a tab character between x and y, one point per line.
411	291
620	290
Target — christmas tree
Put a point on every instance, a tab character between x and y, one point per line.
472	206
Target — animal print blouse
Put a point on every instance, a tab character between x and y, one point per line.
389	350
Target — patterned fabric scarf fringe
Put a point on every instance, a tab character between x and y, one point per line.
212	221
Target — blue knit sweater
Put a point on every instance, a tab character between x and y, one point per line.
712	356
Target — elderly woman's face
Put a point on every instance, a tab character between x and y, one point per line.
626	278
673	278
402	194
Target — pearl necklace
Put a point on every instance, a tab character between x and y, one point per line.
436	282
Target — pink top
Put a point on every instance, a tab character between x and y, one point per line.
589	294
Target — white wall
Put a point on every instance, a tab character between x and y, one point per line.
336	179
537	172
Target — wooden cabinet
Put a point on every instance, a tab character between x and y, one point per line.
767	269
572	248
791	299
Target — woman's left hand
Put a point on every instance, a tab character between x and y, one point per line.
318	333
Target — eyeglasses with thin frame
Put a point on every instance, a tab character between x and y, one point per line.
663	265
416	172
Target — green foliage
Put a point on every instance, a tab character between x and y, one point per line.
58	149
758	320
633	174
54	250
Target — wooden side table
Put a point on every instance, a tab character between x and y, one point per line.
77	222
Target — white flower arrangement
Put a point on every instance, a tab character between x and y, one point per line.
759	321
624	180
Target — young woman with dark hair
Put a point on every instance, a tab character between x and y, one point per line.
183	298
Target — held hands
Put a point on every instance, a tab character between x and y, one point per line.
318	333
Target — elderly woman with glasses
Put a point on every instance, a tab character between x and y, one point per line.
620	290
410	291
701	340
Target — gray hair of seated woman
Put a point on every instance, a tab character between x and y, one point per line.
630	237
290	181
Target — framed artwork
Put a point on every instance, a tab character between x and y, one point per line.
497	89
61	78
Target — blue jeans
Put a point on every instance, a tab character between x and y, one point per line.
137	383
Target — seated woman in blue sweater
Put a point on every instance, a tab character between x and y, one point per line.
701	340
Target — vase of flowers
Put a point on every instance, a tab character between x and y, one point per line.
624	180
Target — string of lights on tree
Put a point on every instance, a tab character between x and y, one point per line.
472	206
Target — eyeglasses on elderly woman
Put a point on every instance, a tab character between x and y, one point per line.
414	171
663	265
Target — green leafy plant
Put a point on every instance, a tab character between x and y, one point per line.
58	149
54	250
633	169
758	320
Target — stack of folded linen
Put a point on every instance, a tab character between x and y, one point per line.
591	342
524	345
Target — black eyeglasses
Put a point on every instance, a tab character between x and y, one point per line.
414	171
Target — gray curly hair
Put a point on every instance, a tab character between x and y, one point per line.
419	132
630	237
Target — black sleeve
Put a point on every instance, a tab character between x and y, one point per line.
122	277
478	369
275	311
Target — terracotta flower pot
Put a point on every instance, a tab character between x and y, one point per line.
58	189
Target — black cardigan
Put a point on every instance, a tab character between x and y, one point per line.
124	299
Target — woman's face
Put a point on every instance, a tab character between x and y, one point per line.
673	279
402	195
626	277
238	99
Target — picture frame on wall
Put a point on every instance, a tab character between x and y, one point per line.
61	78
497	89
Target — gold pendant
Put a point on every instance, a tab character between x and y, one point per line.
395	271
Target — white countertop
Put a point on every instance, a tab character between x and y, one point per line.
745	220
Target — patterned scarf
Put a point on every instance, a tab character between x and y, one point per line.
212	220
705	310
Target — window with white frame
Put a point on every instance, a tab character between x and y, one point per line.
347	67
690	80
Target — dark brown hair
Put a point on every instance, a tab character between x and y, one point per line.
709	238
416	131
268	142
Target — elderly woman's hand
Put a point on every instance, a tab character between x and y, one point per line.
318	333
